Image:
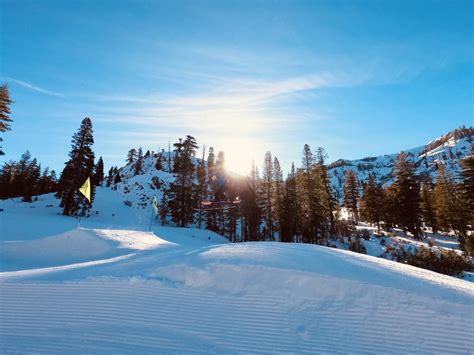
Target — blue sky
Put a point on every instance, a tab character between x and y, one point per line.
357	77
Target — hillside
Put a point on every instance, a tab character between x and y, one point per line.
449	149
138	190
188	290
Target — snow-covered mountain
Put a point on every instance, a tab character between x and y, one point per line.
448	149
138	190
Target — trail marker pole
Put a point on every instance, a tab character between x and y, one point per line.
151	218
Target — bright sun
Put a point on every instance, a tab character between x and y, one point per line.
239	156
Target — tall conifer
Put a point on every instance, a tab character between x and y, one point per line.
79	167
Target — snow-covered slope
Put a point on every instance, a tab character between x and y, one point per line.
137	190
120	289
449	149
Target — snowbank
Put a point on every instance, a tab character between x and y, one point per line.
74	246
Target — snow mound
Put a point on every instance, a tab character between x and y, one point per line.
74	246
293	269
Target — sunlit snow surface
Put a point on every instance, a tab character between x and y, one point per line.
111	286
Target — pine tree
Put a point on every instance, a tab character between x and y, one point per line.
132	156
99	173
202	186
468	195
110	176
468	182
427	205
327	198
221	193
182	201
390	211
278	196
231	210
159	161
5	112
309	187
289	228
31	180
211	215
267	184
47	182
407	192
137	168
79	167
351	195
451	207
250	209
372	202
117	177
306	194
24	179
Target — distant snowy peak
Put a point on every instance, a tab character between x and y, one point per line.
449	149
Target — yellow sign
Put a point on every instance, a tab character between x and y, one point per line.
85	189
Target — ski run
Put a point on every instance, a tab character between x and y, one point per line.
109	285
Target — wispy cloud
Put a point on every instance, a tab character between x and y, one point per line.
30	86
243	106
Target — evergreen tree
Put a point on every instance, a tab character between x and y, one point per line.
451	207
117	177
309	187
79	167
390	211
327	198
159	161
267	184
351	195
48	181
110	177
211	215
407	192
427	205
221	193
132	156
182	201
468	181
289	228
24	179
306	194
468	195
99	173
137	168
372	202
278	196
231	210
202	186
5	112
250	209
31	180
